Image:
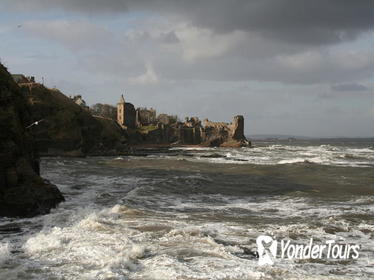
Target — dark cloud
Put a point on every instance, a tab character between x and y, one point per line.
349	87
85	6
308	22
169	38
290	67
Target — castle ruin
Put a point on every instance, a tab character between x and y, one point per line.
145	116
126	114
166	129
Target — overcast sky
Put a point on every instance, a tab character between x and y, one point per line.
300	67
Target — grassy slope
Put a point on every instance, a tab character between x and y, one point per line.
68	127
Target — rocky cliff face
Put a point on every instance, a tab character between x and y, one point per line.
22	191
68	129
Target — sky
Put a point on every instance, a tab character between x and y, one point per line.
293	67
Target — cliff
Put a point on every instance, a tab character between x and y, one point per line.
22	191
67	129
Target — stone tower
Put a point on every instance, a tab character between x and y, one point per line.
238	128
121	106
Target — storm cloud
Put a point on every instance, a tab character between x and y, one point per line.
300	21
271	60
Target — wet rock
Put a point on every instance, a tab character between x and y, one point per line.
23	192
11	177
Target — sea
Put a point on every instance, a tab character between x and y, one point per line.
196	213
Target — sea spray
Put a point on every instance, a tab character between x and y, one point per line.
4	252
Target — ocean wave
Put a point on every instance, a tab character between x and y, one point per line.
98	242
293	160
170	225
123	242
283	154
109	244
193	148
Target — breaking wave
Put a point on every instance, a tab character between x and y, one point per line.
128	221
4	252
284	154
98	243
122	242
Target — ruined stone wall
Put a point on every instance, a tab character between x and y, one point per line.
190	135
225	134
192	132
236	128
145	116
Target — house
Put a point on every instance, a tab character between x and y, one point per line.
21	79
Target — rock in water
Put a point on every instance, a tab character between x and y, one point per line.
23	192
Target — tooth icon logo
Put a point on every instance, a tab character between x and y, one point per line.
267	249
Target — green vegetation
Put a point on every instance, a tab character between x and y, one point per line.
147	128
68	128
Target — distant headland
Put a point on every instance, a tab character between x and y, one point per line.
71	128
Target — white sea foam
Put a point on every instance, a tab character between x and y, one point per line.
123	242
284	154
109	244
193	148
191	236
4	252
98	242
293	160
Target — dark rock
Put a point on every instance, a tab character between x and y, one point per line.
22	192
11	177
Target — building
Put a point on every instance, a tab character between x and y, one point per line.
79	101
145	116
167	119
126	114
21	79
